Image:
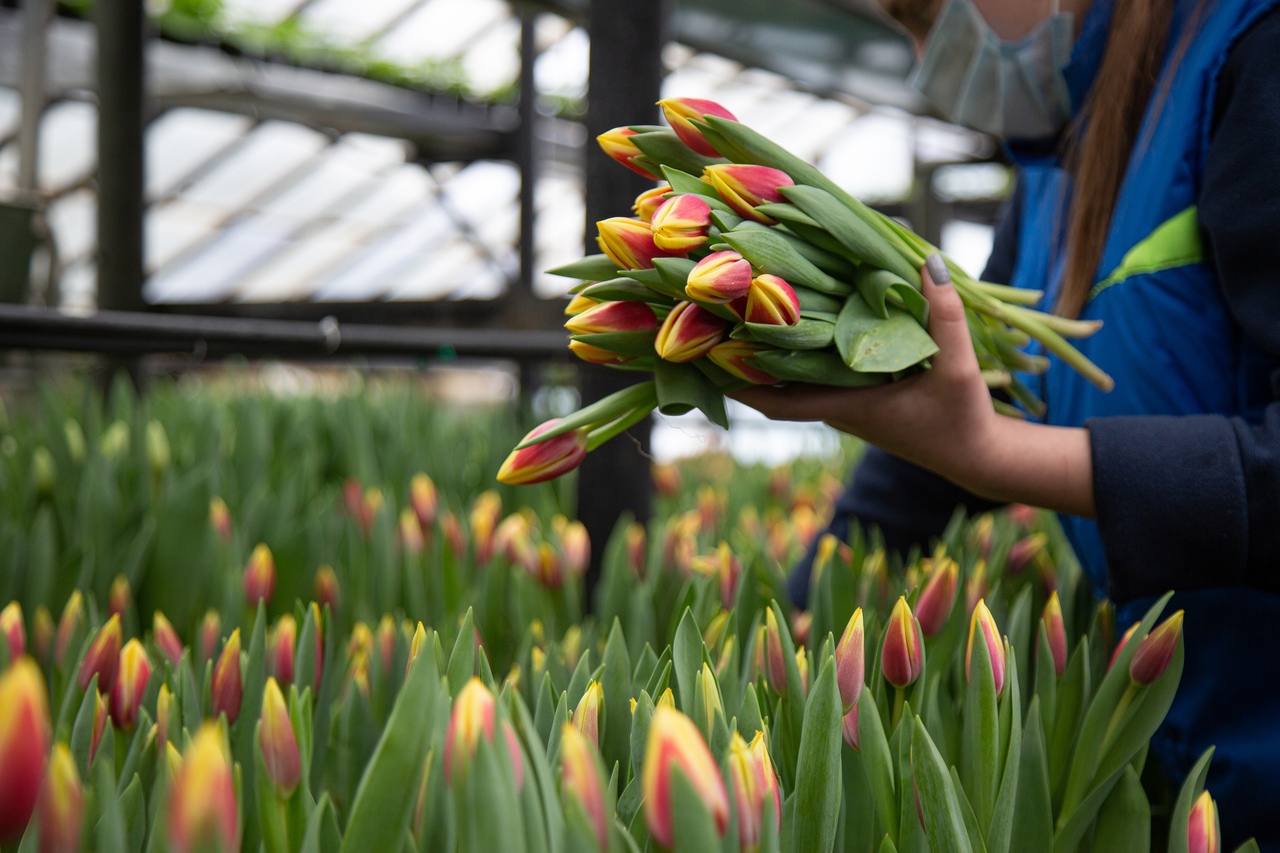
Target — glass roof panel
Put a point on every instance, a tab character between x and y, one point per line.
182	140
269	153
68	144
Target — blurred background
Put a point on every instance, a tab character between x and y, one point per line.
324	190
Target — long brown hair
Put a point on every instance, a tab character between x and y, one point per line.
1105	132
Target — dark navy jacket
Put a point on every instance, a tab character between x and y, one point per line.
1186	449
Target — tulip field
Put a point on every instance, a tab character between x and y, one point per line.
247	622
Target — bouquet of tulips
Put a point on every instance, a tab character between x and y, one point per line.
747	266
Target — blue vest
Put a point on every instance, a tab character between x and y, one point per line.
1172	347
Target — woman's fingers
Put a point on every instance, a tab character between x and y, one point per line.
947	324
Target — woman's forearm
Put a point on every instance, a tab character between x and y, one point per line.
1031	463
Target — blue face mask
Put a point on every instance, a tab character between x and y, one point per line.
1014	90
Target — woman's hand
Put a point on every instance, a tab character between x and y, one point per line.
943	420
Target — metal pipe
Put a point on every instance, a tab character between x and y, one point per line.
35	21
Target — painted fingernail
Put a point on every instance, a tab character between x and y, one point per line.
938	269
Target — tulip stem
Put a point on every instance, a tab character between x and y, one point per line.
1119	714
899	698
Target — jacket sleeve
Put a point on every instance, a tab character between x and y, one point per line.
1194	502
905	503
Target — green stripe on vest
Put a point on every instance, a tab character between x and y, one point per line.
1175	243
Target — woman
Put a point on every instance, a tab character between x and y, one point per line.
1146	134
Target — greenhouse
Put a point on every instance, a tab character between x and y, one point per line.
689	425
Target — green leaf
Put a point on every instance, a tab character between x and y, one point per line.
1033	813
1187	796
694	828
682	387
683	183
663	147
632	344
590	268
388	789
686	658
980	746
323	835
944	825
616	681
853	232
1124	821
818	779
603	410
624	290
820	367
878	760
771	252
462	660
807	334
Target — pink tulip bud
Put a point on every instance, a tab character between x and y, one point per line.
617	145
580	778
681	223
546	566
411	538
983	624
166	638
902	656
629	243
131	684
327	592
260	575
802	666
220	518
278	742
1128	635
851	661
425	500
720	277
982	533
613	317
772	301
386	640
545	460
688	332
649	201
1056	632
636	553
164	707
1152	657
61	804
101	713
103	657
586	717
975	588
210	634
575	547
473	715
933	607
1026	552
120	596
676	745
755	788
726	568
734	357
849	729
1203	832
682	112
24	742
775	662
226	689
593	354
666	480
13	631
745	187
452	529
578	304
69	624
203	814
284	640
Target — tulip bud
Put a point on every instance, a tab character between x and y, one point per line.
278	742
755	788
44	472
425	500
130	685
586	717
714	632
579	303
688	332
902	656
720	278
712	704
802	665
545	460
1056	632
210	634
984	624
666	700
453	528
649	201
775	664
1025	552
682	112
629	243
284	640
317	619
726	568
666	480
411	532
1120	645
593	354
473	715
24	742
636	548
75	439
575	546
166	638
101	713
546	566
982	533
801	627
415	646
42	634
745	187
164	706
933	607
851	661
103	657
202	802
226	689
327	593
13	631
260	575
680	224
580	778
616	144
1152	657
735	358
849	729
119	597
675	744
220	518
975	588
1203	832
386	642
61	804
772	301
172	761
613	317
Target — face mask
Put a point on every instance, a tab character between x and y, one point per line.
1014	90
